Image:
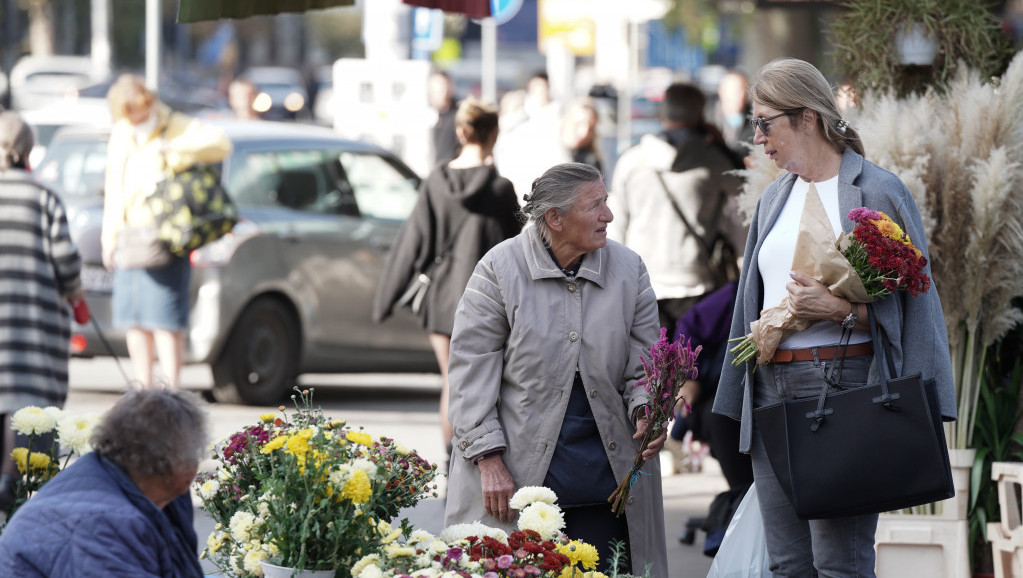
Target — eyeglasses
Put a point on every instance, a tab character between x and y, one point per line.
764	123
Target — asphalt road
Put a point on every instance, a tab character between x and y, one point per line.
402	406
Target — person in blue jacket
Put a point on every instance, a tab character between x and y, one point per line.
123	509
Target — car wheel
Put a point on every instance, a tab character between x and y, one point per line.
260	360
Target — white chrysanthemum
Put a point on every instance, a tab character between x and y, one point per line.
226	474
418	536
55	412
371	571
437	546
252	559
32	420
208	489
242	526
365	465
399	551
75	432
458	532
263	509
532	494
543	518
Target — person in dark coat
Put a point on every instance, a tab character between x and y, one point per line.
464	209
123	509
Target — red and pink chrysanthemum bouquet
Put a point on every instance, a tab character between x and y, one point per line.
876	259
668	366
883	256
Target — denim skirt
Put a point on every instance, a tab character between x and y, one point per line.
152	298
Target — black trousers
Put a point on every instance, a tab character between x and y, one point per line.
598	526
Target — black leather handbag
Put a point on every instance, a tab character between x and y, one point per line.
858	451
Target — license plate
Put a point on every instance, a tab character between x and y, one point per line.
96	278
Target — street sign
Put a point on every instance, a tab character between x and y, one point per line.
504	10
427	29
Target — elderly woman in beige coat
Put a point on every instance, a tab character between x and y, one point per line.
545	354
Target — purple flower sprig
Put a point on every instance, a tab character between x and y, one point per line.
666	369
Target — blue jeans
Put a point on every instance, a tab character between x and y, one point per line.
840	547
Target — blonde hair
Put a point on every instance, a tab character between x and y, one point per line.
477	119
791	85
128	93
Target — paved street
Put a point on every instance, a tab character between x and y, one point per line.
403	406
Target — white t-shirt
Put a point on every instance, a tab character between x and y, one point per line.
775	261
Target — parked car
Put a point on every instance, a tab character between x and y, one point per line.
48	120
289	291
38	81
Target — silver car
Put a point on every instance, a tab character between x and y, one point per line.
289	291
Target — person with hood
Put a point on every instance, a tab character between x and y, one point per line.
671	196
464	209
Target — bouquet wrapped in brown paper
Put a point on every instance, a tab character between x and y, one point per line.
819	255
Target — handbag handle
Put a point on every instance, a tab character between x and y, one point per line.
816	417
880	340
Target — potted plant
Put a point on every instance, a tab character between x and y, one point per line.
871	38
306	493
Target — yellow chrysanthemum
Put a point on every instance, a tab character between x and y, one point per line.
571	572
274	444
25	461
215	542
399	550
357	487
267	417
580	553
359	437
298	444
364	562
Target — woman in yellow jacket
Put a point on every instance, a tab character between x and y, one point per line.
147	143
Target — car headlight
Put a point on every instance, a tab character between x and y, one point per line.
294	102
219	252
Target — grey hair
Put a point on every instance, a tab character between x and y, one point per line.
16	141
790	84
556	189
153	432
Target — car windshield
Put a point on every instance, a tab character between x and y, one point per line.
74	168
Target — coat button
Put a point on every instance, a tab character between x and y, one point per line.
629	501
593	393
572	288
612	446
573	336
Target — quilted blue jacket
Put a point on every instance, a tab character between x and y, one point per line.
92	520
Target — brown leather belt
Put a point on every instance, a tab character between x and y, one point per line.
823	353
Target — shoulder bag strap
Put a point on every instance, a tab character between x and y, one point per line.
704	246
448	245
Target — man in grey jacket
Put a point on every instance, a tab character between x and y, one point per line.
671	196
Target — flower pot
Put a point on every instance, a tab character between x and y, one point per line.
915	45
275	571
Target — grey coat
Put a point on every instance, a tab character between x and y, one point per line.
915	326
39	267
521	331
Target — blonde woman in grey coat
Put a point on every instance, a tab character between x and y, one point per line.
545	354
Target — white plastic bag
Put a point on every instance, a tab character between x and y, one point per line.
743	551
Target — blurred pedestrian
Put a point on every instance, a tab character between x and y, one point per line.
530	141
579	133
545	357
147	141
801	129
123	509
241	97
733	112
40	278
671	195
441	96
465	207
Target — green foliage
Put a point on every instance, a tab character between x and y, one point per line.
966	30
997	414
